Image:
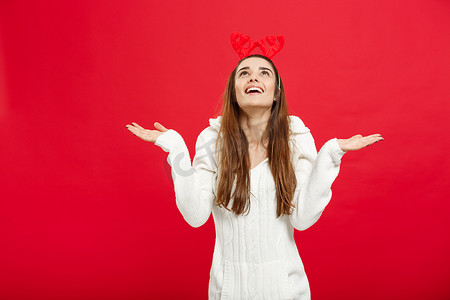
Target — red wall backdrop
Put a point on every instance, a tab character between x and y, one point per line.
87	210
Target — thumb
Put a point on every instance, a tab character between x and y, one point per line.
160	127
357	136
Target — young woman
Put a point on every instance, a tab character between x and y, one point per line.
257	170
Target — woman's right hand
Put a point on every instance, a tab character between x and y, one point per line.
146	134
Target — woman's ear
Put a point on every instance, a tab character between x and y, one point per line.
277	94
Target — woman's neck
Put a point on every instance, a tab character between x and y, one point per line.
253	126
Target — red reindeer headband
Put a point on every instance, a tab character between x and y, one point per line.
238	42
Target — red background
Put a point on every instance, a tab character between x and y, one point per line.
87	210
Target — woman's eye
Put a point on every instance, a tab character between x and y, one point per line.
265	73
242	73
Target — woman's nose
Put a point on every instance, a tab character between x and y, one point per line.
253	79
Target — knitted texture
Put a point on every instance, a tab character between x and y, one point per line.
255	255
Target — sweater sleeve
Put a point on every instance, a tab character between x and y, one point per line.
193	184
315	174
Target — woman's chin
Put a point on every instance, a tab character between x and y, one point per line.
252	106
255	101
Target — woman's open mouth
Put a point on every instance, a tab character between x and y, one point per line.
254	90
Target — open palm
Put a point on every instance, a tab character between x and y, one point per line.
146	134
358	141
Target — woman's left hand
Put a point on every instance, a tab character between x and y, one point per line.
358	141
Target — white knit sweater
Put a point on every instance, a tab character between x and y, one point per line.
255	255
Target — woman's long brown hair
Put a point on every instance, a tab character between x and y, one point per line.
234	161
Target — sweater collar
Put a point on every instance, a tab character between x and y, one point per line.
297	125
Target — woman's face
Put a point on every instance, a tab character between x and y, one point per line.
255	83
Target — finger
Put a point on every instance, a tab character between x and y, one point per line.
132	129
160	127
379	139
136	125
357	136
373	140
373	135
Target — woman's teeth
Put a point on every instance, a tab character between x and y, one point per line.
254	90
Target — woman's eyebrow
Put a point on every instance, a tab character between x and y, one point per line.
264	68
261	68
244	68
